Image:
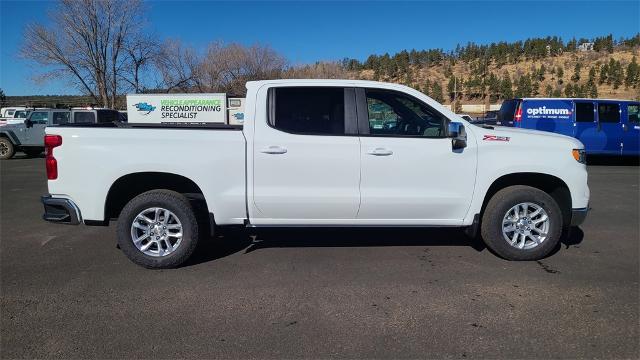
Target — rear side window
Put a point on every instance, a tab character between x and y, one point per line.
60	117
84	117
609	113
507	110
584	112
307	110
633	110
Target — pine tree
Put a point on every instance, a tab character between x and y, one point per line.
576	72
548	91
560	73
604	74
568	90
506	87
3	97
633	74
436	92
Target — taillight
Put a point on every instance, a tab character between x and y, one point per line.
518	115
50	142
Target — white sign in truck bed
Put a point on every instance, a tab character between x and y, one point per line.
176	108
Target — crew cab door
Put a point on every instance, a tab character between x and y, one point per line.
609	116
410	173
306	157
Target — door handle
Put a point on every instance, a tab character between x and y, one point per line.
274	149
380	152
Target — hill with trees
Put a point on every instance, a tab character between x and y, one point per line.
539	67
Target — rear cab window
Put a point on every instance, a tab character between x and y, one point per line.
307	110
84	117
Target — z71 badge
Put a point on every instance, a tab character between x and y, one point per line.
495	138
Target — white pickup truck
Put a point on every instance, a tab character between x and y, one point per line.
317	153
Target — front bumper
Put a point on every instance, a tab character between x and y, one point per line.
60	210
578	216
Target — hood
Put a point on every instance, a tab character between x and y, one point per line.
542	135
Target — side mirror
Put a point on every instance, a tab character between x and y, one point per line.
28	123
458	135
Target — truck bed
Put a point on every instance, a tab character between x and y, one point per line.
92	157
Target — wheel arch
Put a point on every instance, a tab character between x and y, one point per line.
131	185
11	136
552	185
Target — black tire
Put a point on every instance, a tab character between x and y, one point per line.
494	213
7	150
172	201
32	152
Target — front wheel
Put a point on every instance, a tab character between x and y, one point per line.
521	223
158	229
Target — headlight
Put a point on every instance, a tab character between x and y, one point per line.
580	155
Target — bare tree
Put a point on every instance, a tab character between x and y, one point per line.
86	44
319	70
179	67
141	51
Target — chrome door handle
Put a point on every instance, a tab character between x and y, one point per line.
380	152
274	149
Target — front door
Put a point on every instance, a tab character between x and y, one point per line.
34	135
410	174
609	115
306	168
631	130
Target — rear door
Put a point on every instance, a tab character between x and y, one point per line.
507	112
631	129
610	125
306	158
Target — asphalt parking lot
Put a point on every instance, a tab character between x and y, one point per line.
68	292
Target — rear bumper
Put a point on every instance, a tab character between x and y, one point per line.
60	210
578	216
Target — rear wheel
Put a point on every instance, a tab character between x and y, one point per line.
158	229
521	223
6	149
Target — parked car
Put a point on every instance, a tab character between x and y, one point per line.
313	153
8	112
604	126
467	117
28	136
17	116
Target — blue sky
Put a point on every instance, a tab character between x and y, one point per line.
308	31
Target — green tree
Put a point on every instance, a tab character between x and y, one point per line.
576	72
506	87
436	92
560	73
548	91
568	90
3	97
633	74
604	74
524	87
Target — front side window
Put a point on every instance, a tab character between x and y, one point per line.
22	114
395	114
40	117
84	117
308	110
609	113
60	117
584	112
633	110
